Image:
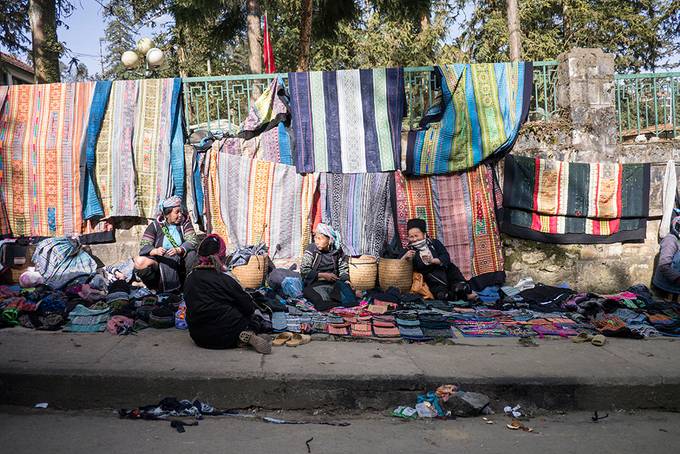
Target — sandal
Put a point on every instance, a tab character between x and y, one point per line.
299	339
598	340
582	337
281	339
260	344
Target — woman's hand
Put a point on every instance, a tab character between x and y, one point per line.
435	262
175	251
159	251
409	255
328	277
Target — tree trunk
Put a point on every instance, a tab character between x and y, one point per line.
305	35
42	15
181	51
254	37
566	24
513	29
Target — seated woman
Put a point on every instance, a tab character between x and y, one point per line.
325	270
667	272
430	258
168	248
220	314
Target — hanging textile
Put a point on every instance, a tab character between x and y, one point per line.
252	201
569	202
42	130
460	212
263	134
481	110
139	156
347	121
359	207
669	198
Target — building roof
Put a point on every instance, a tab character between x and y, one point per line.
11	60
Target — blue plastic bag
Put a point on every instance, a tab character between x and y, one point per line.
292	287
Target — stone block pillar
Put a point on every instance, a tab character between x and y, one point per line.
586	93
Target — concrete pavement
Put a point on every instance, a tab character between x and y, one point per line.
100	370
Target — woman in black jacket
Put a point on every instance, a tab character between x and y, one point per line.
220	314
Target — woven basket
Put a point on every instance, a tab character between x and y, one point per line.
251	275
363	272
395	273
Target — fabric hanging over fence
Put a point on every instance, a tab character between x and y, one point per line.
347	121
265	133
568	202
359	207
460	211
252	201
139	155
481	110
42	130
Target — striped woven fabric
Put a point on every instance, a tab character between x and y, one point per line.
140	149
460	212
42	131
359	207
570	202
347	121
480	113
252	201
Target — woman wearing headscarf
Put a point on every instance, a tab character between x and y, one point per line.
325	270
667	272
167	248
220	314
432	260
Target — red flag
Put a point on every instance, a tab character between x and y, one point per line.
269	64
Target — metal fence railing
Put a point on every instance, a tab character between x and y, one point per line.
222	102
648	104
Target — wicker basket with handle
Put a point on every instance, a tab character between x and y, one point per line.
252	274
395	273
363	272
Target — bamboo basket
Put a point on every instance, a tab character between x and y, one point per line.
395	273
363	272
251	275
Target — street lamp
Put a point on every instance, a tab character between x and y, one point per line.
153	56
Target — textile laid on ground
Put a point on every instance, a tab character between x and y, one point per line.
358	206
347	121
41	133
252	201
263	134
460	212
479	115
568	202
139	156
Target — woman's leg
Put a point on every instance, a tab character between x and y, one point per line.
146	269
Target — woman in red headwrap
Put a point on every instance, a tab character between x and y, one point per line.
220	314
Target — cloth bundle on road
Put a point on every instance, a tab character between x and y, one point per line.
570	202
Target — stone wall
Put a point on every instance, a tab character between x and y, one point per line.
583	130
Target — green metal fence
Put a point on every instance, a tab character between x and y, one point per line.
222	102
648	104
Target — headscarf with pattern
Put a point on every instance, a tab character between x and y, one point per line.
331	233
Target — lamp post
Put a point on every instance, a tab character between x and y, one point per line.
153	57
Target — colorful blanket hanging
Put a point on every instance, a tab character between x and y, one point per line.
42	131
252	201
359	207
139	156
460	212
347	121
569	202
481	109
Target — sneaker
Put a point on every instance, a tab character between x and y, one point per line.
260	344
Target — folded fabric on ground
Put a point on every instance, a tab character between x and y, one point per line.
139	155
84	320
359	207
41	135
460	212
252	201
480	112
569	202
347	121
